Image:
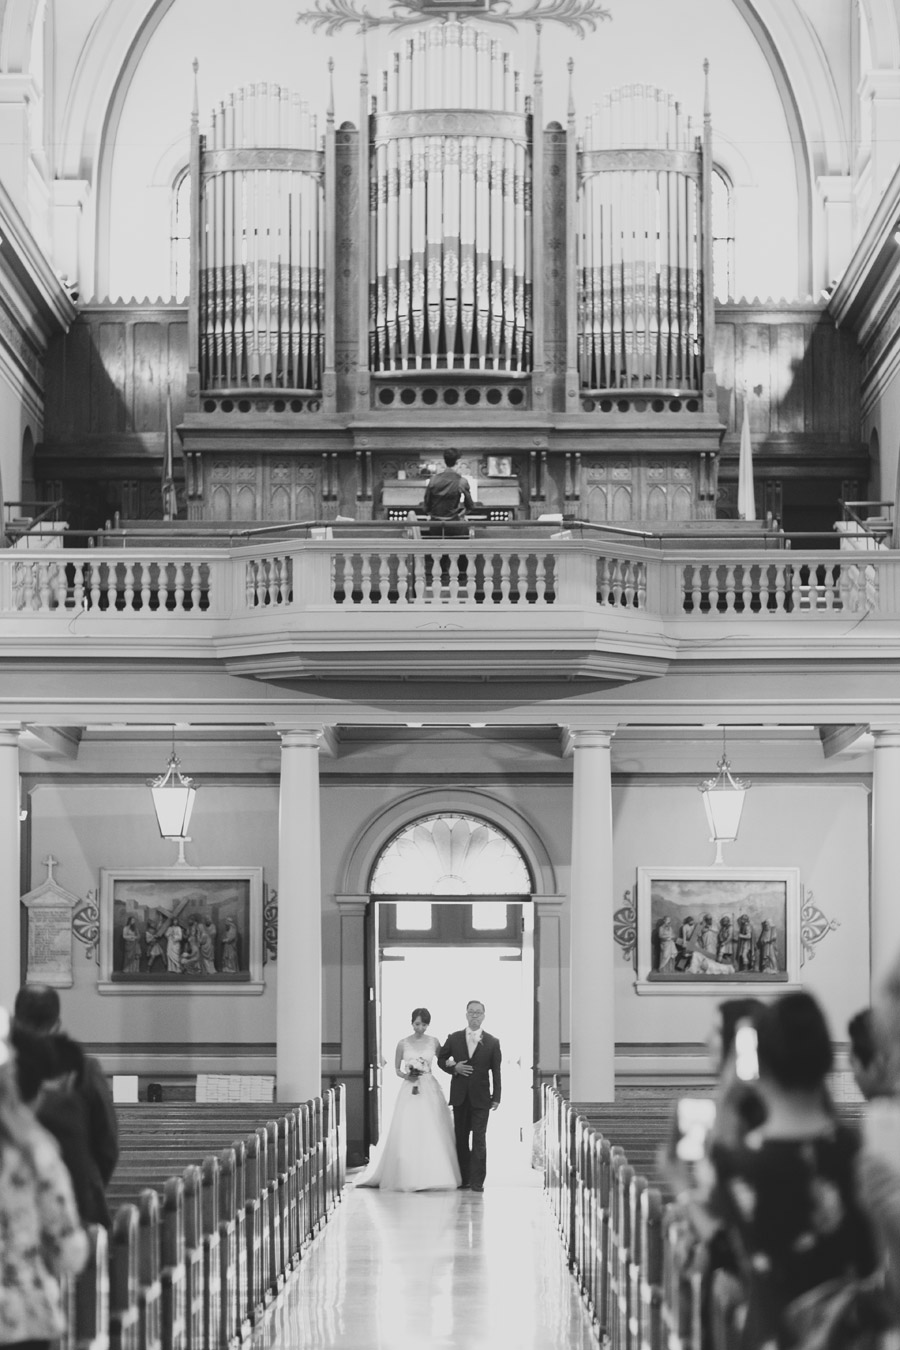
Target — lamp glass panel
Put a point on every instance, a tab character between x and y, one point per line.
173	805
723	811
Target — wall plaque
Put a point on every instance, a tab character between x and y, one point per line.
49	948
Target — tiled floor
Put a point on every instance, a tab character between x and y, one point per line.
433	1271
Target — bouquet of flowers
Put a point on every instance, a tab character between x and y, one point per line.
414	1070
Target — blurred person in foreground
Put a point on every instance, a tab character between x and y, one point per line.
736	1108
40	1235
879	1161
787	1194
868	1061
82	1091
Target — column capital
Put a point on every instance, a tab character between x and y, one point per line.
352	905
586	738
886	737
318	737
10	733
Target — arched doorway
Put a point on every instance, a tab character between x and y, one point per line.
450	919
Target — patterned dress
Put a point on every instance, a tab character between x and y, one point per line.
791	1204
40	1239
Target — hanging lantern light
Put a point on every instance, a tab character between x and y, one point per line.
173	796
723	797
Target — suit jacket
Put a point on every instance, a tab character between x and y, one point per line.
482	1086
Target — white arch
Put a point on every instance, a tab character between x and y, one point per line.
884	33
17	18
382	827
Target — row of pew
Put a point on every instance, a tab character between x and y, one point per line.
637	1263
195	1267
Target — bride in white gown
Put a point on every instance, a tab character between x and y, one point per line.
418	1153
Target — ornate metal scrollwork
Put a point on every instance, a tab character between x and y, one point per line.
86	926
625	929
270	925
582	16
814	926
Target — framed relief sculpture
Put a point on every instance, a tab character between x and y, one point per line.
701	927
191	929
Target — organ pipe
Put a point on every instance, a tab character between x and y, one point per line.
642	246
450	283
261	244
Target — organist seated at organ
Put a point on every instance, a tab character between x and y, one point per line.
448	500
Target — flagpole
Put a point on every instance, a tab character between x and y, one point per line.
746	495
169	500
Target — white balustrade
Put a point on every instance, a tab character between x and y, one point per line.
375	575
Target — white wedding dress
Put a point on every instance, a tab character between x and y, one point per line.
418	1153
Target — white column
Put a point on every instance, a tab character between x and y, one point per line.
592	1000
885	909
10	887
299	1002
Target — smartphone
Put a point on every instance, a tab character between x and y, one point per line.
746	1060
695	1118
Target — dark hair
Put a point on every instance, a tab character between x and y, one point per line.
37	1007
450	457
733	1011
423	1014
475	1000
861	1030
40	1057
794	1044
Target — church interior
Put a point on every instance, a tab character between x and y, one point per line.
638	265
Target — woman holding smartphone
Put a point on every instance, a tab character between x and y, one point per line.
788	1197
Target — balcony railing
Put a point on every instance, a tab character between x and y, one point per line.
387	577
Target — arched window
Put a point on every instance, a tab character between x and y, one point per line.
450	855
723	235
180	235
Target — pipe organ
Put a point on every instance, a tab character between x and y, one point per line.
261	274
642	181
452	257
450	272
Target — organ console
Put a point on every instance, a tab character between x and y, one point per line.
453	271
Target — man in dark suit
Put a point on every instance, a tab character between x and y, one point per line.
472	1057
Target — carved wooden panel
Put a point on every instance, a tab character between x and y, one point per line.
639	489
280	488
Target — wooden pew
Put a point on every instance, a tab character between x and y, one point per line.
86	1298
253	1239
124	1314
149	1287
650	1220
194	1277
172	1275
212	1265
